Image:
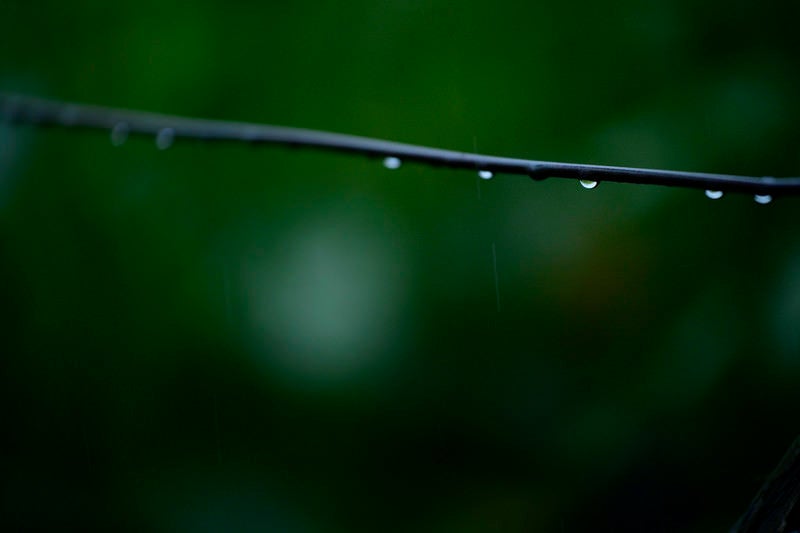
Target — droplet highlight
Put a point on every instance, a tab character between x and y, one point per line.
392	163
714	195
588	184
762	199
119	134
485	174
165	138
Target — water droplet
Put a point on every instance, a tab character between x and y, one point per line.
714	195
762	198
485	174
537	173
392	163
588	184
119	133
165	138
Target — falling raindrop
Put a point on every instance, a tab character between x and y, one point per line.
165	138
496	279
714	195
392	163
588	184
485	174
119	134
762	199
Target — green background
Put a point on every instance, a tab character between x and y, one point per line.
228	338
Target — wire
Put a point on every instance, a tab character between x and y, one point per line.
21	109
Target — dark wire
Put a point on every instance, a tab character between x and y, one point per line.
20	109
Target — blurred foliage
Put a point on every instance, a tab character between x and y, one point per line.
222	338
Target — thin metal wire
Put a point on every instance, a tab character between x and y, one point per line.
21	109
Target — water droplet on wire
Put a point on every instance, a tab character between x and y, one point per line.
485	174
588	184
119	134
392	163
165	138
714	195
762	199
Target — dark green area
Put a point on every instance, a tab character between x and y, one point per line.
223	338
